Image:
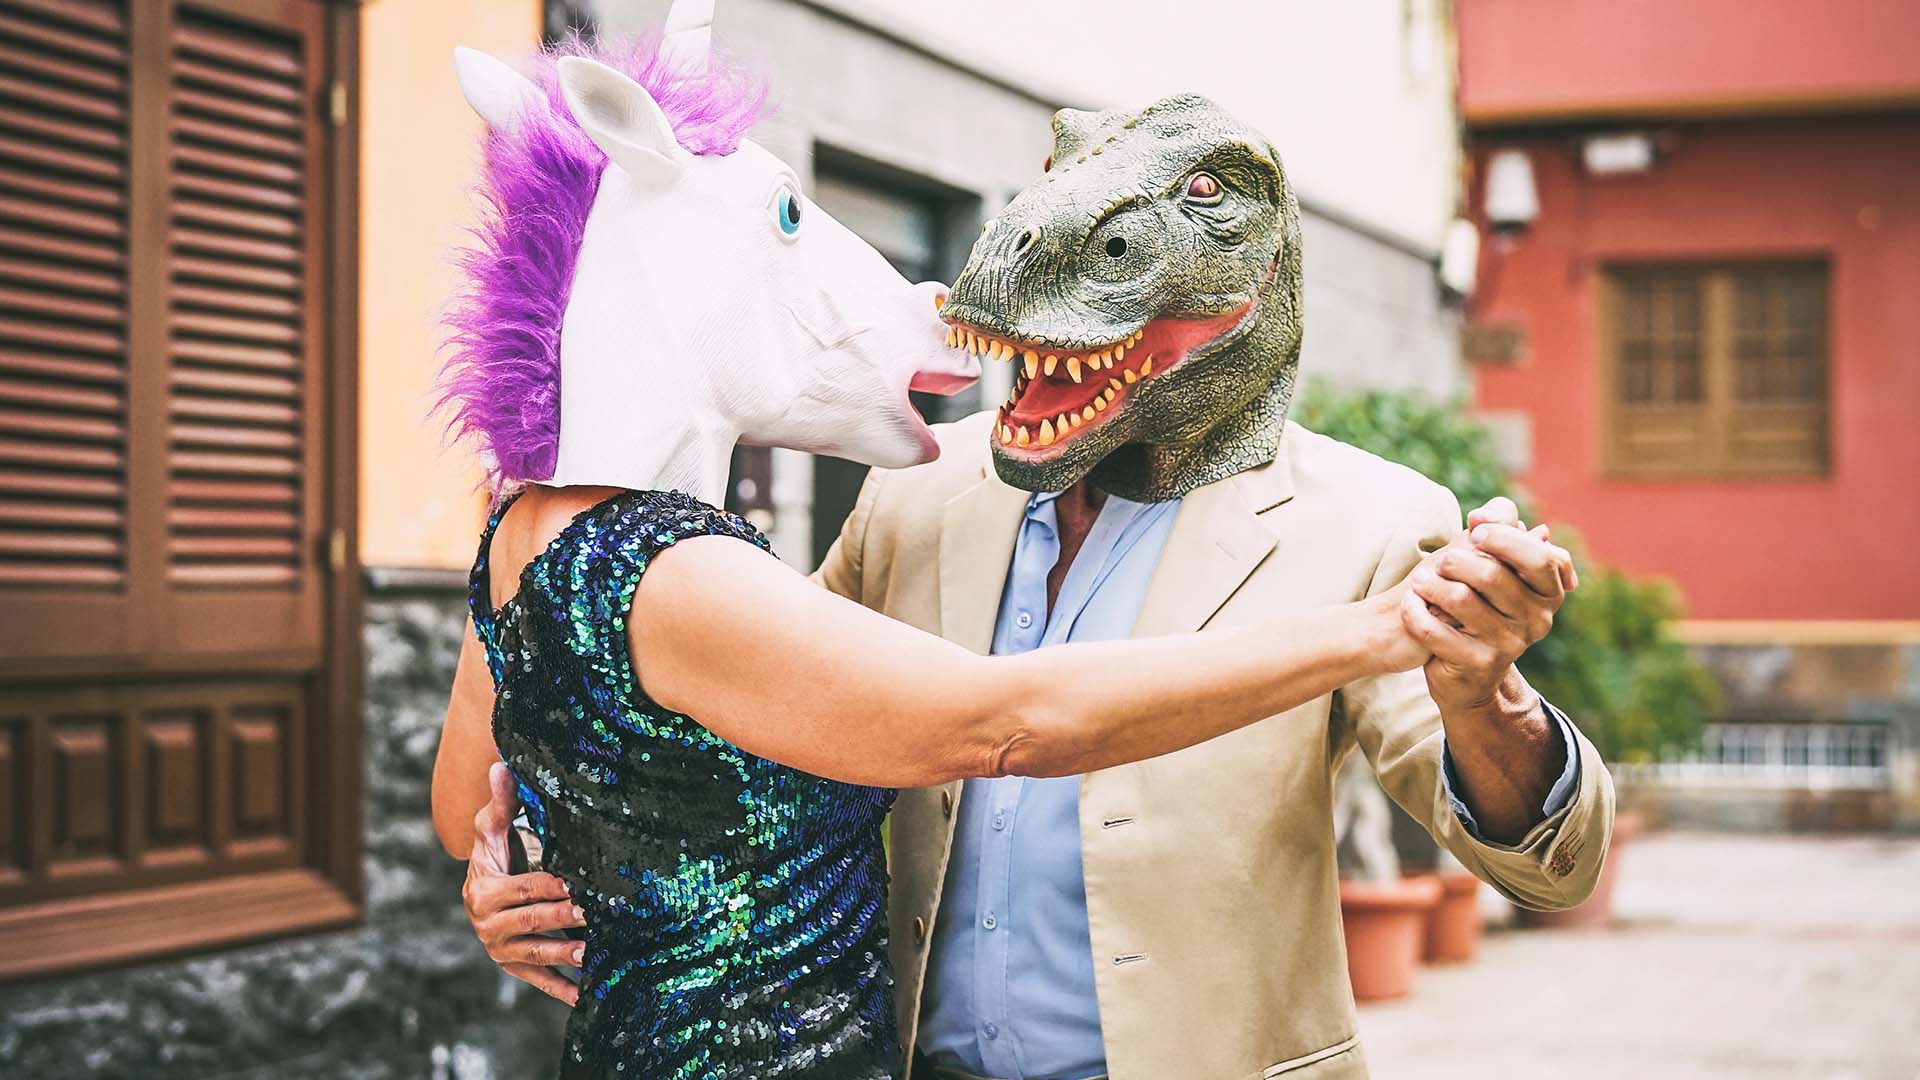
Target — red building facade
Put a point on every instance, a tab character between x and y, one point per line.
1703	345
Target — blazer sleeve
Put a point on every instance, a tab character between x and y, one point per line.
842	569
1397	726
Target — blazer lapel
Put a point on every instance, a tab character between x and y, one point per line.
1218	540
977	536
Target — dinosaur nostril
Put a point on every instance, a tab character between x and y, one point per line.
1026	241
1117	247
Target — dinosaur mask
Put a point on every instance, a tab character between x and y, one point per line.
1147	291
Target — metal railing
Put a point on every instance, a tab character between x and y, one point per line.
1810	757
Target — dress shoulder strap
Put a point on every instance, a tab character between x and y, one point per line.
480	587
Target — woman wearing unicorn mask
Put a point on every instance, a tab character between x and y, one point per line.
706	743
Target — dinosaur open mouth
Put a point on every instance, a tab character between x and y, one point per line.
1060	394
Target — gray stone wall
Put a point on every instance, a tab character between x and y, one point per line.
1375	318
408	994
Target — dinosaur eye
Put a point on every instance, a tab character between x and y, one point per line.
1203	188
786	209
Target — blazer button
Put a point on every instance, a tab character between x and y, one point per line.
946	803
919	930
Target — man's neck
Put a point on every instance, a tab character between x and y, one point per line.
1074	514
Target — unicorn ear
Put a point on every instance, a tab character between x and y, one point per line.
622	119
497	92
689	34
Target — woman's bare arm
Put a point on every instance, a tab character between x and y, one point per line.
460	786
786	670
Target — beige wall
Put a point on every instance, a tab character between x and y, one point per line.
1356	94
419	501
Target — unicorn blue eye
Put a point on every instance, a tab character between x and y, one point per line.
787	206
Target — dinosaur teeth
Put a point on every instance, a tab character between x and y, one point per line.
1020	436
1073	368
1046	433
1050	363
1033	365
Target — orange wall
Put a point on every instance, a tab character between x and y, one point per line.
419	503
1843	547
1553	57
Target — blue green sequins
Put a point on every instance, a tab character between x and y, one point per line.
736	908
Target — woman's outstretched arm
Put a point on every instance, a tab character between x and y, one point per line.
762	657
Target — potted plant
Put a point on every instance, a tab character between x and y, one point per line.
1453	923
1384	915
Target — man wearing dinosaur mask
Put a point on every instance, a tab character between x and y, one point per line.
1179	917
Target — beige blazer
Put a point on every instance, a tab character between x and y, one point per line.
1211	889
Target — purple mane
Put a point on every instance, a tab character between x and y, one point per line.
500	385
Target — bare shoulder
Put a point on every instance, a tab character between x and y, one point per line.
1364	486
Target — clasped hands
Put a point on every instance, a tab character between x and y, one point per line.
1468	610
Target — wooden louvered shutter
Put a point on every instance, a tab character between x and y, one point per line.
178	620
242	329
64	268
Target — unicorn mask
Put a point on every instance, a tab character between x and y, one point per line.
652	288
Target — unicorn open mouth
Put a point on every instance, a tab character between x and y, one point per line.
1060	394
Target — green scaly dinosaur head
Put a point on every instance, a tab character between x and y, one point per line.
1147	291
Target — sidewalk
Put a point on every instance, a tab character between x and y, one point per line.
1738	957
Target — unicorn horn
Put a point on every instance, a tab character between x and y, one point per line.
689	34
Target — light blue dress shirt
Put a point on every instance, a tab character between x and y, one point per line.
1010	990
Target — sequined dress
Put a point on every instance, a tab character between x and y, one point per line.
735	907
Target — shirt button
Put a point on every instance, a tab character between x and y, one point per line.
989	922
1023	620
999	819
946	804
992	1031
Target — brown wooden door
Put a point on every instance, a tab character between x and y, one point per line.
173	510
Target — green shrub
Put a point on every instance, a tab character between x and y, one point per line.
1610	662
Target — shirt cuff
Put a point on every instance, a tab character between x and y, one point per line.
1557	797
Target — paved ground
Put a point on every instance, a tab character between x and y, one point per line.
1757	958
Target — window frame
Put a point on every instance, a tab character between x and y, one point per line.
309	877
1720	420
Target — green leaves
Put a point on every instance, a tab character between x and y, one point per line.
1611	661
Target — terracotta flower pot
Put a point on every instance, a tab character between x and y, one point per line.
1385	922
1597	909
1453	924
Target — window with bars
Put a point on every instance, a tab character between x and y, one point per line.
178	726
1715	369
